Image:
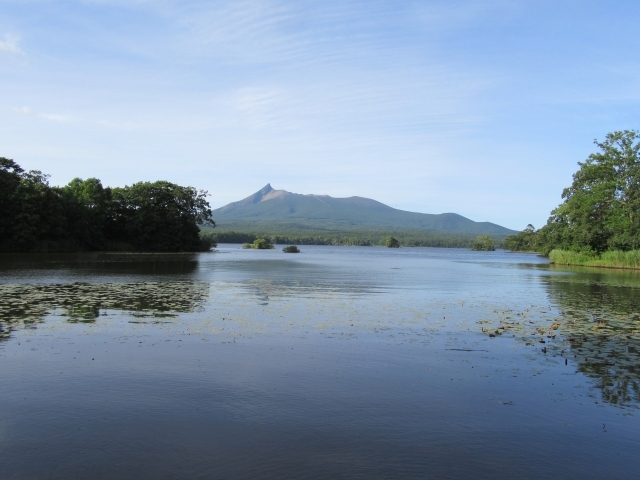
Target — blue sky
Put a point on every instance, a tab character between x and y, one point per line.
482	108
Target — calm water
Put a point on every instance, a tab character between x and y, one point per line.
339	362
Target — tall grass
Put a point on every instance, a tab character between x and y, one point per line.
611	259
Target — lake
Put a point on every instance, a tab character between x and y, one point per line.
338	362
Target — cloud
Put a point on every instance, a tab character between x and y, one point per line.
54	117
47	116
10	45
22	110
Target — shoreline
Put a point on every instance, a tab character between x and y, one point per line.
610	267
613	259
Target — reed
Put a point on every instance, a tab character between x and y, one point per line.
610	259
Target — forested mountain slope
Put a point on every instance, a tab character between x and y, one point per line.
273	209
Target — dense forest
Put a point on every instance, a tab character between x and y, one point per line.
83	215
406	238
600	212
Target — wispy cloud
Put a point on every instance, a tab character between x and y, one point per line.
10	45
240	31
54	117
22	110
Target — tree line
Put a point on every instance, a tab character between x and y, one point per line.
600	211
84	215
363	238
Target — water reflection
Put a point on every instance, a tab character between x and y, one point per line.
281	278
39	266
28	304
593	321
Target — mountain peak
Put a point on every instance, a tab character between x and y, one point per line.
272	209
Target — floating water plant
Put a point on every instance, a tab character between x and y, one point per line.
597	329
84	302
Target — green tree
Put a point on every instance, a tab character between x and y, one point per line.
39	221
83	215
89	212
391	242
528	240
10	177
601	208
161	216
483	242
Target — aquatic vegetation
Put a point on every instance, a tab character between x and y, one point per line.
291	249
597	329
85	302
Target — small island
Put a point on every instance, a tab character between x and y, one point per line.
483	243
259	244
391	242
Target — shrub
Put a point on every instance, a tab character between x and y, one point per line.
391	242
291	249
259	244
484	243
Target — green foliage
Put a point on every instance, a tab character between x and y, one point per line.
408	238
291	249
259	244
161	216
84	215
484	243
601	208
89	212
391	242
611	258
527	240
207	241
32	214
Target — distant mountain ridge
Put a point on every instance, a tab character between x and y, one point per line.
273	209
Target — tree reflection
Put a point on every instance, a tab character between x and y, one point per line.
600	326
596	325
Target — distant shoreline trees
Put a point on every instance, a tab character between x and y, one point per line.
83	215
363	238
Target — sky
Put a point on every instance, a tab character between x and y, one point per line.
481	108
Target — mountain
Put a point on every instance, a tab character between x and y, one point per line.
270	209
